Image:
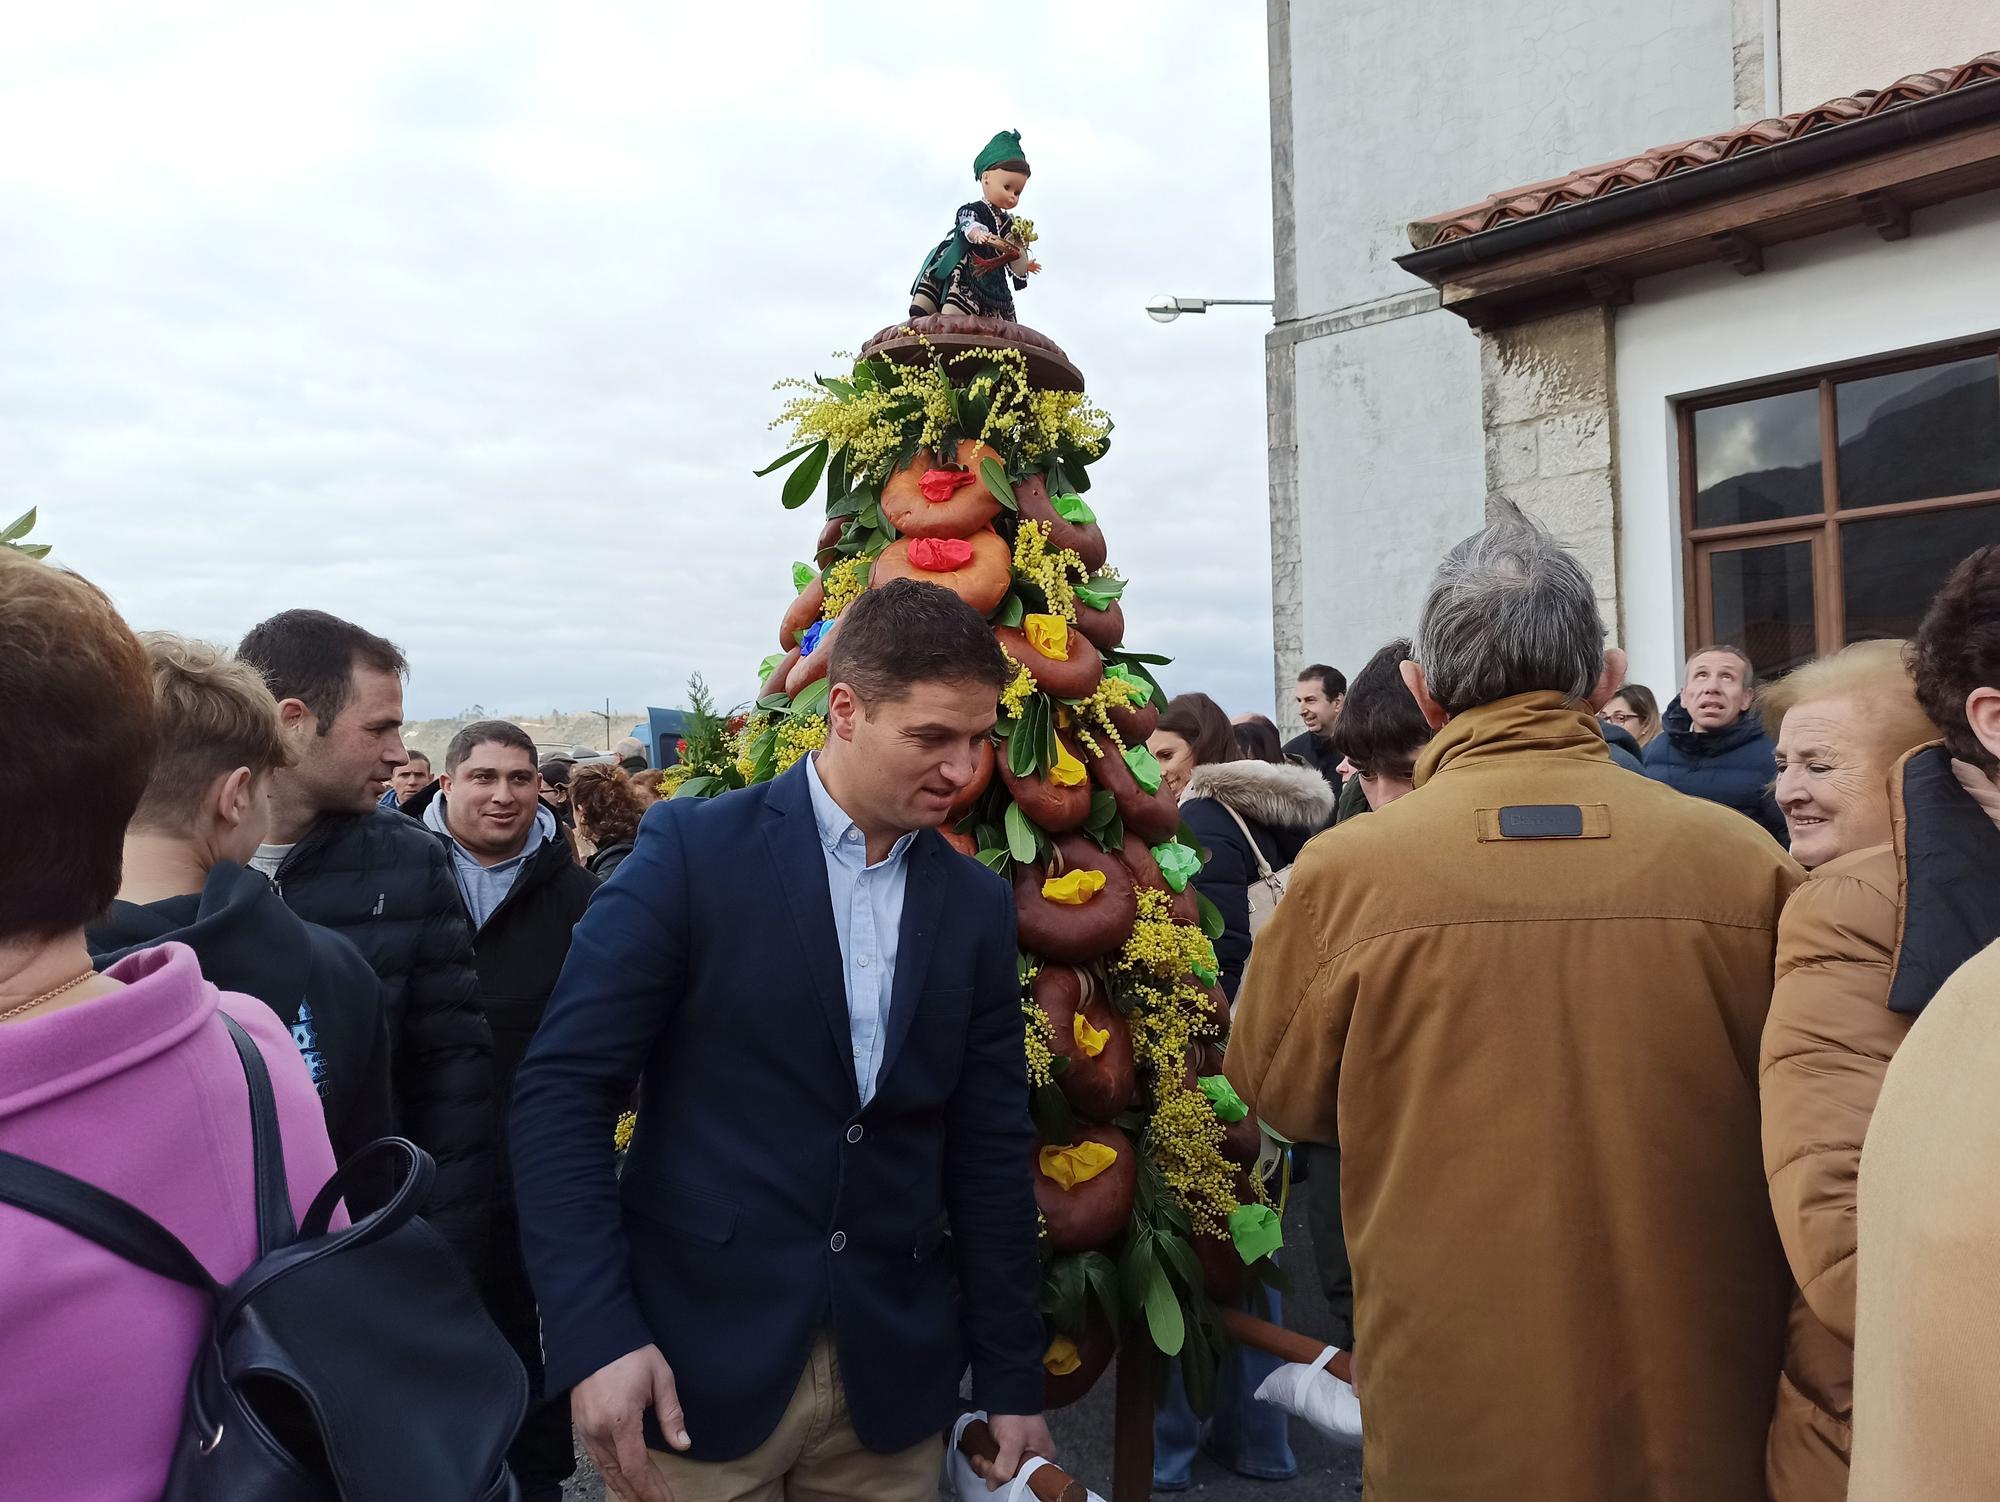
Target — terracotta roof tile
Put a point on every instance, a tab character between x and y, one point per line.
1683	156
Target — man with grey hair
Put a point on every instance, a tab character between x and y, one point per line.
1525	999
1711	743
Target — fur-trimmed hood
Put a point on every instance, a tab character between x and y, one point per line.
1278	795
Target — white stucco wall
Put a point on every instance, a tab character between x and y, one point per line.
1401	110
1829	48
1396	111
1839	297
1392	472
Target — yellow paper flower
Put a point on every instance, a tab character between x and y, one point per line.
1073	888
1048	635
1068	772
1071	1166
1090	1039
1061	1358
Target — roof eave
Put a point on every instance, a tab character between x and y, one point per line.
1836	144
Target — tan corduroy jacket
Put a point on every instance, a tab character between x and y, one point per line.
1530	995
1927	1357
1827	1044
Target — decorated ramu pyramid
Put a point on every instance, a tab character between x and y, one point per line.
958	449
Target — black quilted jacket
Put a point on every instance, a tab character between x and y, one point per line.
383	882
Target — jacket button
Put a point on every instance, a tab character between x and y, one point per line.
854	1132
839	1242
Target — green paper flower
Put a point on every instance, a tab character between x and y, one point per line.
1177	863
1205	974
1142	691
769	665
1222	1095
1096	600
1072	508
1256	1231
1145	768
802	575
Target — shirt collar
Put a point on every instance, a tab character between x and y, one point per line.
834	824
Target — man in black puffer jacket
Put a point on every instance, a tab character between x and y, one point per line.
524	892
379	879
1712	746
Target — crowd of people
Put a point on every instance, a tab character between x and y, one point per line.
1636	1061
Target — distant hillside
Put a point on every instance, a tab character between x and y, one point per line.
550	729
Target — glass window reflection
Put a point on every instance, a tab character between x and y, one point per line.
1757	460
1890	566
1762	601
1916	434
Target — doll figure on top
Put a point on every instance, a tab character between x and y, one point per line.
972	268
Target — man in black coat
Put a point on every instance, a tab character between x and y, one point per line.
827	1211
205	811
379	879
523	892
1321	692
1712	745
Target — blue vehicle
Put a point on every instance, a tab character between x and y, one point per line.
662	730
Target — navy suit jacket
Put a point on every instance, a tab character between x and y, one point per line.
760	1202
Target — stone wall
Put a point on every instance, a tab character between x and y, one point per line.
1548	407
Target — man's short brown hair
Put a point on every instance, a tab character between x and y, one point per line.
485	733
215	715
908	632
311	656
1957	649
78	706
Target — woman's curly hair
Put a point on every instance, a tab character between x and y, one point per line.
607	805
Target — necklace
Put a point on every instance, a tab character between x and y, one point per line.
34	1001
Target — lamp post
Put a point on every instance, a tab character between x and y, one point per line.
1167	309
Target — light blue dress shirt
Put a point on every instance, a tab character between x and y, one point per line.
868	920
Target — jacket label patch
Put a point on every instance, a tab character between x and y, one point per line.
1545	821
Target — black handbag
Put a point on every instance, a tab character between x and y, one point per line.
349	1366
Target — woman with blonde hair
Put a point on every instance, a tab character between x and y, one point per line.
1850	738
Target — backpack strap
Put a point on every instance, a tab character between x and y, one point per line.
275	1226
1264	872
119	1227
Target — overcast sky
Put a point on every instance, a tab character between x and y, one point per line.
461	319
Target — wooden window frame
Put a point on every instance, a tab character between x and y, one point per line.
1823	527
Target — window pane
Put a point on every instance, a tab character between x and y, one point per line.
1891	566
1920	433
1756	460
1763	603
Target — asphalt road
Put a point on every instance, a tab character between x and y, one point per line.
1083	1432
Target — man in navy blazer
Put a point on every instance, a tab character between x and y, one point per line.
827	1211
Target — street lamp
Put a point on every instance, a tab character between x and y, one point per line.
1167	309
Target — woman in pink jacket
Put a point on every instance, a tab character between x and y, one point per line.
127	1080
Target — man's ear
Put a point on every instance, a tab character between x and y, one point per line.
229	796
1982	714
1433	712
296	720
1610	680
843	711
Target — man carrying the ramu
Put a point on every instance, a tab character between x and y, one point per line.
827	1210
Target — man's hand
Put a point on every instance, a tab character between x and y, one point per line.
607	1407
1018	1436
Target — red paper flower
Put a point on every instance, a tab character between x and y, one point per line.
681	746
940	555
942	484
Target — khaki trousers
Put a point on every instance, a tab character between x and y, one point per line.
812	1456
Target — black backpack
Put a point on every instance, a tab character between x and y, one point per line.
355	1366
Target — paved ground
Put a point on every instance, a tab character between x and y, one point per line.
1084	1431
